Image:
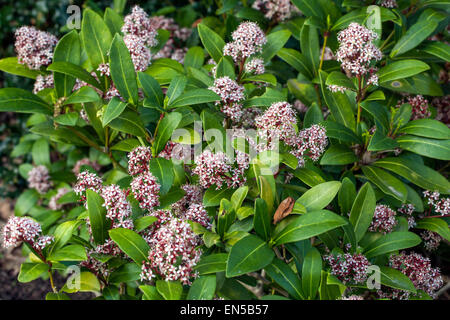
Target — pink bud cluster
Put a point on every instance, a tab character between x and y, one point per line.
419	106
356	50
172	47
217	169
440	206
231	95
139	35
383	219
85	162
389	4
442	105
24	229
138	160
431	240
407	210
33	47
173	253
53	203
353	297
275	10
348	268
116	203
255	66
43	82
193	196
197	213
87	180
418	269
39	179
248	39
175	151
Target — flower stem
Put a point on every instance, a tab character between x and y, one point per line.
325	38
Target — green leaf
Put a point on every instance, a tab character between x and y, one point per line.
40	152
313	116
63	233
361	214
88	283
413	37
436	225
391	242
96	37
338	131
428	128
212	42
212	263
170	290
196	96
212	197
338	155
395	279
122	70
68	49
25	202
20	100
275	41
338	103
131	243
194	58
144	222
437	49
311	272
162	169
152	89
308	176
262	219
339	79
266	192
31	271
83	95
319	196
419	84
283	275
238	197
166	127
415	172
386	182
309	43
97	216
346	195
225	67
114	109
129	122
176	88
432	148
296	60
150	293
203	288
125	273
401	69
310	224
12	66
113	20
72	252
75	71
126	145
248	254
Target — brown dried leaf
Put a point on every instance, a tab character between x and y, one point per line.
284	209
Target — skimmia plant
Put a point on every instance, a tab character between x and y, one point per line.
286	150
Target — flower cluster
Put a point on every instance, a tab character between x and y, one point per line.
139	35
278	122
275	10
431	240
255	66
442	105
33	47
347	267
353	297
389	4
85	162
218	170
356	50
418	269
24	229
138	160
173	48
115	202
43	82
231	95
87	180
193	196
441	206
53	203
248	39
175	151
383	219
173	253
407	210
39	179
197	213
146	190
419	106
